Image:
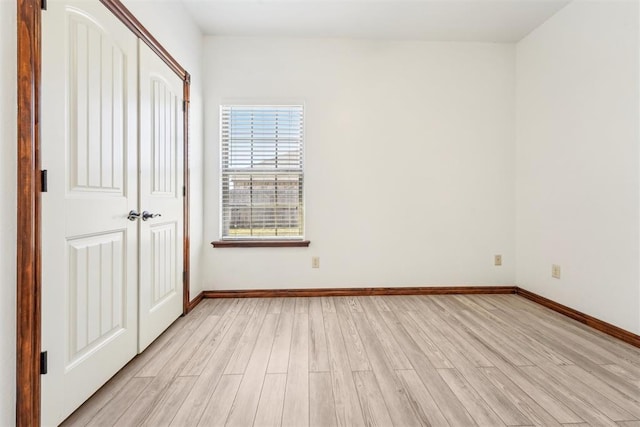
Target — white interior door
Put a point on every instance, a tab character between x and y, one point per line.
89	247
161	193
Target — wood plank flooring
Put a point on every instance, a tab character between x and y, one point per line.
457	360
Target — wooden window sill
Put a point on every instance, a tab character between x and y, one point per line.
261	243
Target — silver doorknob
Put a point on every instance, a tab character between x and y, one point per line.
133	215
148	215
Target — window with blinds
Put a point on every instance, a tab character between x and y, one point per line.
262	171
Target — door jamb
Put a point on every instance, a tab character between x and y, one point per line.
28	243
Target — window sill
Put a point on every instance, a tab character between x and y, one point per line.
261	243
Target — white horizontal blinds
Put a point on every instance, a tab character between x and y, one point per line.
262	171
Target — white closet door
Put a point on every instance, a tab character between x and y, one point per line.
161	193
89	247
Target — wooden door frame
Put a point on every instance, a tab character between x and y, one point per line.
28	244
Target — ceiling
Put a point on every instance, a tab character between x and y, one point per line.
441	20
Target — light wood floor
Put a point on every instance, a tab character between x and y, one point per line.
400	360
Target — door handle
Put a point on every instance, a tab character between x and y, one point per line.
148	215
133	215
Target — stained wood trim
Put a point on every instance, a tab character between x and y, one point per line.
28	244
123	14
195	302
341	292
261	243
28	214
186	260
600	325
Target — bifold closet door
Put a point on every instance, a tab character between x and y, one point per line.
89	246
161	196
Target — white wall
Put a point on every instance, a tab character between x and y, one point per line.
7	211
174	28
578	160
409	161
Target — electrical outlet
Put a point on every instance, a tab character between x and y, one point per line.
497	260
315	262
555	271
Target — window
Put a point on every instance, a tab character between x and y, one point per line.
262	172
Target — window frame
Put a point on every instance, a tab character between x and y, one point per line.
260	241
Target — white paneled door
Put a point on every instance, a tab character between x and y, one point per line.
89	247
112	146
161	196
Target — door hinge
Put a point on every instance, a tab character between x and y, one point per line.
184	277
43	4
43	181
43	363
184	191
184	103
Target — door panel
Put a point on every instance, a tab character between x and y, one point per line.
96	312
90	248
161	181
98	107
163	262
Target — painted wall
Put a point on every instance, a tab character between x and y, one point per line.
174	28
409	160
578	160
7	211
